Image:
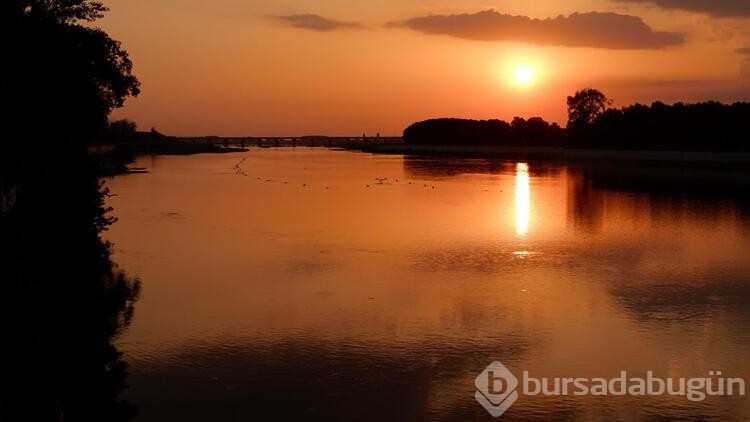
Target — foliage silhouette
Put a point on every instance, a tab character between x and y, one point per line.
63	79
61	73
60	11
585	106
532	132
120	130
62	301
706	126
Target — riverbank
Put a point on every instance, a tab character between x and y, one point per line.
113	159
566	154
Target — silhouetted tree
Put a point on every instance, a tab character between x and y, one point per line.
518	123
520	132
708	126
60	11
585	106
61	299
61	78
539	133
119	130
60	72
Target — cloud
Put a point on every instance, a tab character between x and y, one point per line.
597	30
646	90
716	8
315	22
745	65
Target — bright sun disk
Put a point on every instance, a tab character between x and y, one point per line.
524	75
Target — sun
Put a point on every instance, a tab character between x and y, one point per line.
523	75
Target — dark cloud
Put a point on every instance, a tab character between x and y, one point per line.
315	22
717	8
597	30
745	65
626	91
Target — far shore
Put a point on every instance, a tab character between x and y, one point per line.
568	154
395	145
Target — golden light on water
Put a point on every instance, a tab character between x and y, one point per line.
523	199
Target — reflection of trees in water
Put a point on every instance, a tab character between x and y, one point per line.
364	378
585	204
451	167
655	302
663	192
445	167
62	302
665	180
665	195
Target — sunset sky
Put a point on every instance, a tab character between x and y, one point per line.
347	67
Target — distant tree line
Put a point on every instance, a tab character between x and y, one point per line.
118	131
520	132
706	126
128	142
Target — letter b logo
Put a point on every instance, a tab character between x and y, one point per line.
496	389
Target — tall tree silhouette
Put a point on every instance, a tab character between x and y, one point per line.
62	300
62	77
585	106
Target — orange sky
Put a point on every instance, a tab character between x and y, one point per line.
251	67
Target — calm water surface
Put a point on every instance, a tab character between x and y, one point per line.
318	284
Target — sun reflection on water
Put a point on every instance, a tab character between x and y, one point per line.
523	199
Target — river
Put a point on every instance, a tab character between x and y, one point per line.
335	285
